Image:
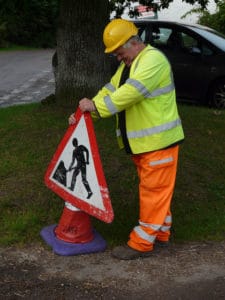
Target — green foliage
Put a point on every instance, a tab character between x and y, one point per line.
29	137
28	22
3	34
119	5
34	23
216	20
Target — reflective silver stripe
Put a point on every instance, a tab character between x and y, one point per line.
142	89
165	228
139	86
161	161
155	227
118	132
144	235
110	87
111	107
168	219
163	90
153	130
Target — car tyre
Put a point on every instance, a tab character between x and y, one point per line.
217	95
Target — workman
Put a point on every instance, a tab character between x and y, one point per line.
142	96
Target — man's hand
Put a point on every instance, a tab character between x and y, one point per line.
72	119
86	104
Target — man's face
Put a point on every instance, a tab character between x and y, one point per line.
127	55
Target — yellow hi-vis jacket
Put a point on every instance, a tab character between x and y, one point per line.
149	100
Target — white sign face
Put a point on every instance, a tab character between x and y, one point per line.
81	179
75	172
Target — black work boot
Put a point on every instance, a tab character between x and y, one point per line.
126	253
161	244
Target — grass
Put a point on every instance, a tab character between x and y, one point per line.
30	135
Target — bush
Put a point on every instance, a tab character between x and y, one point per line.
216	20
3	35
29	22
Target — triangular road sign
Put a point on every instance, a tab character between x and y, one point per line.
75	172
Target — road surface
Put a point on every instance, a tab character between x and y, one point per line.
192	271
25	76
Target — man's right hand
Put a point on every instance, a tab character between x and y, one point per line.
72	119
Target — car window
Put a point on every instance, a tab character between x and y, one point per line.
173	40
206	50
188	41
160	36
156	36
166	38
213	36
193	45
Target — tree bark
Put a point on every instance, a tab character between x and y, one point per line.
82	67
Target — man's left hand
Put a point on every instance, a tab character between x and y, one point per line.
86	104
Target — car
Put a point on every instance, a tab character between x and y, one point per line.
197	56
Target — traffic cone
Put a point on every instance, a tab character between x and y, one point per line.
74	234
74	226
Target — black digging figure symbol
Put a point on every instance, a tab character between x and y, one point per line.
81	156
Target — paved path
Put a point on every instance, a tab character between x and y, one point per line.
25	76
192	271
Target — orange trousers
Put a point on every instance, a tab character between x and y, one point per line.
157	175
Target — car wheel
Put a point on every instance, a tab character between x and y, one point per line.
217	95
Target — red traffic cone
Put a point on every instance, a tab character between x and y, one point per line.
74	226
74	234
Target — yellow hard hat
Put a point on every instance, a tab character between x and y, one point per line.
117	32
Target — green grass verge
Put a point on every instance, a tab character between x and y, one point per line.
30	135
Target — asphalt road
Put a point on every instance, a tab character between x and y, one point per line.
25	76
193	271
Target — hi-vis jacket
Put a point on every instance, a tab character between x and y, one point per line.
149	101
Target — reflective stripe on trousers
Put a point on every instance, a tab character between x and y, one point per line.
157	174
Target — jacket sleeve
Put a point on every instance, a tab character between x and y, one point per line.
105	92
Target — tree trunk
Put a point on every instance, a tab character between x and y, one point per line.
82	67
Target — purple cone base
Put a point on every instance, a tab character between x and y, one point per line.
98	244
